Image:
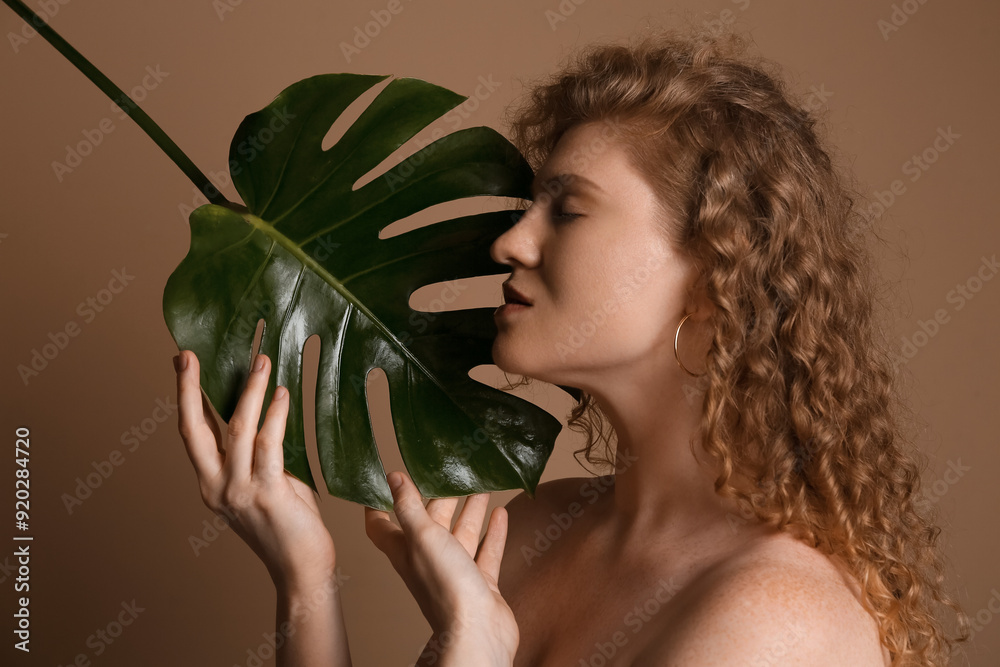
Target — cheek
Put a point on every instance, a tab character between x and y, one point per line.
594	305
631	300
628	279
590	268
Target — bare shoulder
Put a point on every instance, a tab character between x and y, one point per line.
535	524
558	492
555	495
778	602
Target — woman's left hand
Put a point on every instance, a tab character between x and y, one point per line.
455	588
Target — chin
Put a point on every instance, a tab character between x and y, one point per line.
506	358
509	357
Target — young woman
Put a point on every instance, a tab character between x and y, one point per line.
695	264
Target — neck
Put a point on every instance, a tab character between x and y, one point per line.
660	488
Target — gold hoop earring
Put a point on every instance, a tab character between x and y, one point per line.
676	355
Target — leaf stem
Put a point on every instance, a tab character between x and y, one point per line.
119	97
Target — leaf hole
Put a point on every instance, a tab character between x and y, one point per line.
258	336
310	375
447	210
351	114
542	394
426	136
377	394
458	294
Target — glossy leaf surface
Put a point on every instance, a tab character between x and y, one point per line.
305	256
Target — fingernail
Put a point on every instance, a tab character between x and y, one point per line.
258	363
395	480
180	363
280	393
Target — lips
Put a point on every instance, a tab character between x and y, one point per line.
512	295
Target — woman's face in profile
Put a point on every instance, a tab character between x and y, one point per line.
590	255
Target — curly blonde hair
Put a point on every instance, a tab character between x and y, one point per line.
800	394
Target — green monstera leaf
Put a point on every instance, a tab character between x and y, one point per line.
305	256
271	260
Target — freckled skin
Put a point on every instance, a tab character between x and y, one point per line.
607	292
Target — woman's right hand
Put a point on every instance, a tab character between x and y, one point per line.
245	480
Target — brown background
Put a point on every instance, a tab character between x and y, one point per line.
60	241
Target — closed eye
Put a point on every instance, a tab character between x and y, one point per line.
556	212
565	215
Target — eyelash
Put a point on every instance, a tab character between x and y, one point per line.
558	214
562	215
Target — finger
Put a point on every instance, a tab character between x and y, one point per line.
207	408
243	424
269	457
408	505
384	534
470	522
193	421
442	510
491	550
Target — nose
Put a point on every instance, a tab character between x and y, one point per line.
519	244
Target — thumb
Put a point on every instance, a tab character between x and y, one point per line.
407	502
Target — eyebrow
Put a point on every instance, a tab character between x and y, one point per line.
569	179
